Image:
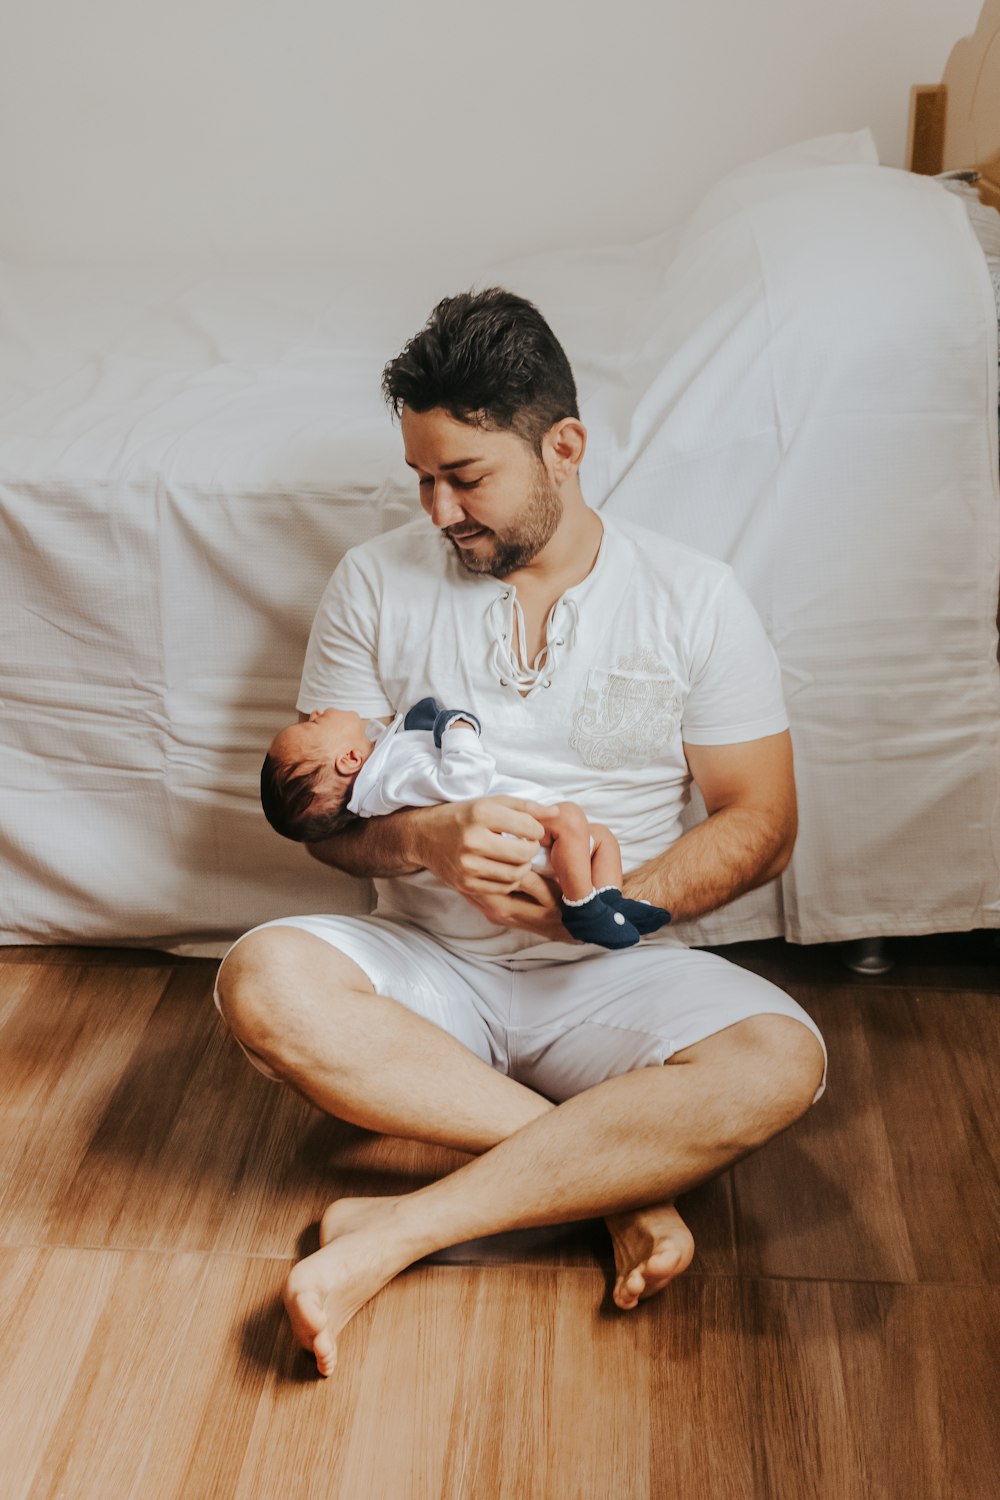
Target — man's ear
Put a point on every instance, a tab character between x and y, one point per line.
563	447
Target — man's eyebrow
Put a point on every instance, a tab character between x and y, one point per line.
459	463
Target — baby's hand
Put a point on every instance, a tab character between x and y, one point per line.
447	717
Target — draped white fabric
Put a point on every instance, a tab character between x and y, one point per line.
803	383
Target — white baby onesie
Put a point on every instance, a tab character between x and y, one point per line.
406	769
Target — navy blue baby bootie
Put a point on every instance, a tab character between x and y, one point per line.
592	922
644	917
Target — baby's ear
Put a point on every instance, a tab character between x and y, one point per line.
348	763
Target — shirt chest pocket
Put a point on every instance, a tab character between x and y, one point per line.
627	716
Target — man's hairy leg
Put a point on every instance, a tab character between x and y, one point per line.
640	1138
314	1017
634	1140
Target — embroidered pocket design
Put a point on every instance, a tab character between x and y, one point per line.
629	711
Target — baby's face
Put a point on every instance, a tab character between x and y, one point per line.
329	737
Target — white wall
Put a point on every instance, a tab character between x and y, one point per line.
311	129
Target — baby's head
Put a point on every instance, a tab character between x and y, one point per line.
308	773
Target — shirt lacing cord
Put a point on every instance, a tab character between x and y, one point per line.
506	621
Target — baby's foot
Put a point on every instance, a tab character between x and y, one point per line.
591	921
643	915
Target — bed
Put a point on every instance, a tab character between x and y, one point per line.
802	380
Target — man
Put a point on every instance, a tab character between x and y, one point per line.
613	666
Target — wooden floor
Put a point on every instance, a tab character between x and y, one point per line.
836	1337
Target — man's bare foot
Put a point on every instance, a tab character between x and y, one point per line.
346	1214
652	1246
357	1257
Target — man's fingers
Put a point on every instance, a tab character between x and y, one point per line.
529	890
494	878
518	910
505	848
516	815
540	890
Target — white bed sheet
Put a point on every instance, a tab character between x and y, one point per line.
805	385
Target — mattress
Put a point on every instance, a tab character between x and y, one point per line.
799	382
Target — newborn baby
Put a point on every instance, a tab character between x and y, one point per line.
334	762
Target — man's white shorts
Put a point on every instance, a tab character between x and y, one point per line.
558	1028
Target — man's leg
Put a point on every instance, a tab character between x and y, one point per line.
312	1016
641	1138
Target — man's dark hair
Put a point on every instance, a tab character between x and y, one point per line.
286	795
489	359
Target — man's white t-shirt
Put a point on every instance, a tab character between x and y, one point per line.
657	646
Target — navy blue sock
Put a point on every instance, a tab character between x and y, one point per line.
643	916
593	922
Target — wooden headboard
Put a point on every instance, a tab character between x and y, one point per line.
955	124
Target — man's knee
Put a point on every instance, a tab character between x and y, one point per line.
273	975
789	1061
773	1063
250	977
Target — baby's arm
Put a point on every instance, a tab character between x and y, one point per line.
465	768
417	775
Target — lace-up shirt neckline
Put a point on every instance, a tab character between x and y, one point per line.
509	656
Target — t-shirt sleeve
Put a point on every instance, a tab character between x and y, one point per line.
735	691
341	664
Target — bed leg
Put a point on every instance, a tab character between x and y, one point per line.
868	956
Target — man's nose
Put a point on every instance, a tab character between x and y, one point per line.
445	507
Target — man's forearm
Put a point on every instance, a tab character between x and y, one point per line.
474	846
732	852
372	847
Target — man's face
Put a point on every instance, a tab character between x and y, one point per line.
487	492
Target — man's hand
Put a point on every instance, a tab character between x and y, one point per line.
466	845
478	848
482	848
535	908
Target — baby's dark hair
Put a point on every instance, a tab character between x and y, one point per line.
488	359
288	794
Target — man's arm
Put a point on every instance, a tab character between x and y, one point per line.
746	840
462	843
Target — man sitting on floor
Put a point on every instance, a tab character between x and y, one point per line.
617	666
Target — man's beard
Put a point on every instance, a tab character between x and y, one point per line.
530	531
